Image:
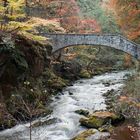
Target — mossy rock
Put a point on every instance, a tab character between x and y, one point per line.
84	135
57	83
54	81
106	128
85	74
98	119
92	122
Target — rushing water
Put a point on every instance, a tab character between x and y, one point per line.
84	94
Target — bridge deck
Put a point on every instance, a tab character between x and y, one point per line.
117	41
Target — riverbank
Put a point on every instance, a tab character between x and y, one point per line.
128	104
64	123
125	103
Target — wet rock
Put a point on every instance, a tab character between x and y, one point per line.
106	128
106	84
70	84
109	93
120	119
46	122
92	122
98	119
99	136
70	93
57	97
127	75
82	112
84	135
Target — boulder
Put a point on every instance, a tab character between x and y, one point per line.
106	84
92	122
85	74
85	134
106	128
98	119
46	122
70	93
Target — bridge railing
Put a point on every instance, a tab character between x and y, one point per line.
89	34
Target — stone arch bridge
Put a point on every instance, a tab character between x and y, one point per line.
60	41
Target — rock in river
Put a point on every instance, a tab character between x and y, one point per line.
98	119
82	112
84	135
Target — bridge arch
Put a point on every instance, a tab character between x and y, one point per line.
60	41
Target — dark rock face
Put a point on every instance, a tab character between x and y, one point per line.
68	70
21	59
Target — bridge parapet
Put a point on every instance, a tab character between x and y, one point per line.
117	41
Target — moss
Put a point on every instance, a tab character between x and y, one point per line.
92	122
54	81
85	134
33	37
85	74
48	73
106	128
98	119
57	83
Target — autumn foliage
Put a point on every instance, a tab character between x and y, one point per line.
128	17
67	13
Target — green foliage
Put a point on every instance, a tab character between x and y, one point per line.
14	10
85	74
84	54
33	37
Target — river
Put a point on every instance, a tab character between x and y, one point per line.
83	94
